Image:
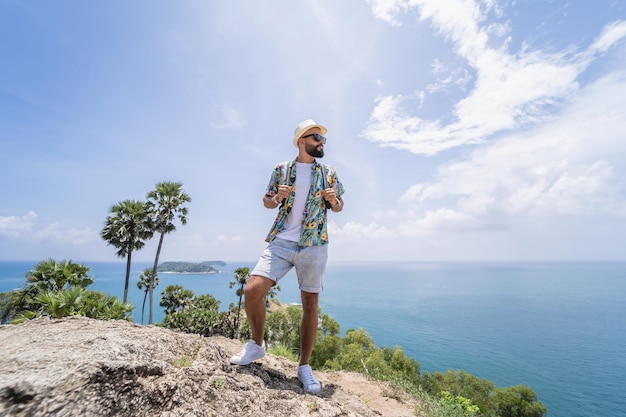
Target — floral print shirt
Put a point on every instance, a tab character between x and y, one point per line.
314	230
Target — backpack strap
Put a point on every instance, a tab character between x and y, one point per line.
327	204
324	177
288	172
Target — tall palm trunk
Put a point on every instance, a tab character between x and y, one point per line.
128	258
238	312
154	271
143	306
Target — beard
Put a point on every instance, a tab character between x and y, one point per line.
314	151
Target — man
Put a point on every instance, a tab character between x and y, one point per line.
304	190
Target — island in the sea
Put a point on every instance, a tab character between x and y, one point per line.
206	267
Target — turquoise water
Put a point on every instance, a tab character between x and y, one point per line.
557	327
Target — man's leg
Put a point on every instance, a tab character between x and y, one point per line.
310	265
254	291
308	330
254	302
308	327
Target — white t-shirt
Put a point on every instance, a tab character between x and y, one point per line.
294	219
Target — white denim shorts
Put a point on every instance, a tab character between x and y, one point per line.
281	255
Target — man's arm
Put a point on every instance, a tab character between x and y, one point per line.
270	202
336	203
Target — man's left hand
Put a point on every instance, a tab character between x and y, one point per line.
329	195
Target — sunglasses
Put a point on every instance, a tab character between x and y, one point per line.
317	137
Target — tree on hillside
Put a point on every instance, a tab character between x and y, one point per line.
167	201
199	315
127	228
50	275
461	383
175	298
145	281
241	277
518	401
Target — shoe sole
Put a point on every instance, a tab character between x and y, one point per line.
312	392
246	363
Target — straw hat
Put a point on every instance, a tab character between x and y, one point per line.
303	127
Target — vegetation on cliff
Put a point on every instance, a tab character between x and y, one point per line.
449	394
207	267
58	289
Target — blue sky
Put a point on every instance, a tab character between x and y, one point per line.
462	130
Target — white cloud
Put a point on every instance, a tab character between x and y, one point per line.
572	166
15	226
196	240
511	89
442	220
387	9
357	231
459	78
612	34
412	193
223	239
54	233
25	228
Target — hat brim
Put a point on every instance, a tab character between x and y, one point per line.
302	131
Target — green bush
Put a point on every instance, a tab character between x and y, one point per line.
51	288
282	328
518	401
191	314
75	301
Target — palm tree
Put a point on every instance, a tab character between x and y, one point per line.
98	305
127	228
76	300
241	277
144	282
63	303
50	275
166	203
46	276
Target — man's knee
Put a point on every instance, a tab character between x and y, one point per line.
257	287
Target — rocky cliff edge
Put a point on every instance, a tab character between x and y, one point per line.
84	367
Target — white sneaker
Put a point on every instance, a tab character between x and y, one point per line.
309	383
250	353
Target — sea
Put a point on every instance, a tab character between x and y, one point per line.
559	328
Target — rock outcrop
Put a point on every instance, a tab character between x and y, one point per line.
84	367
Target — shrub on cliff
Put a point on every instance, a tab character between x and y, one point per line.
189	313
59	289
